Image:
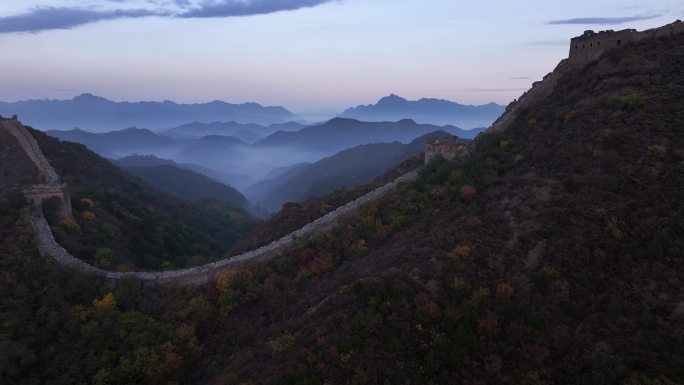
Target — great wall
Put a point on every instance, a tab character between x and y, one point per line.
48	246
583	49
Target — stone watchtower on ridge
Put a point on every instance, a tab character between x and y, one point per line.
591	45
448	148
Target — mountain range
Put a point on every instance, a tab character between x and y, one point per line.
230	155
341	133
97	114
248	132
433	111
346	169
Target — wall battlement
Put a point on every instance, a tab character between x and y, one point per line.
591	45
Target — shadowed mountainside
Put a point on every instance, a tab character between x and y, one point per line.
132	222
188	184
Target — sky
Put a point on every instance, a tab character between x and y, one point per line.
306	55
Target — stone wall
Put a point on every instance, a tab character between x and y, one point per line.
206	273
539	91
52	186
30	146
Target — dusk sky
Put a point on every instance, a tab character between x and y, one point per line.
303	54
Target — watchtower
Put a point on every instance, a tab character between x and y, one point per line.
448	148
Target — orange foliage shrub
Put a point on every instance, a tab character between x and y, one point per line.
467	192
88	202
88	215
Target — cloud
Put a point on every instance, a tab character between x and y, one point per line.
604	20
227	8
519	78
41	19
49	18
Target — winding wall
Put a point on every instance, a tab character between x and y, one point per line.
202	274
48	246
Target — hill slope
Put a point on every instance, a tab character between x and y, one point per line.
142	226
188	184
552	254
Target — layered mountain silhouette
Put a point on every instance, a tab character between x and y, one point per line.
97	114
188	184
125	142
231	155
248	132
348	168
340	133
231	179
433	111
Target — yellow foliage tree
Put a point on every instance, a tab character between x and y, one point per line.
107	302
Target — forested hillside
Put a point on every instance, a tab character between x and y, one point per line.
122	223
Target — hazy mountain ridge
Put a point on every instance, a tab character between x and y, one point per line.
427	110
231	155
187	184
341	133
97	114
346	169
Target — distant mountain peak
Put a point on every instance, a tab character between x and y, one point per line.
88	97
440	112
392	98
